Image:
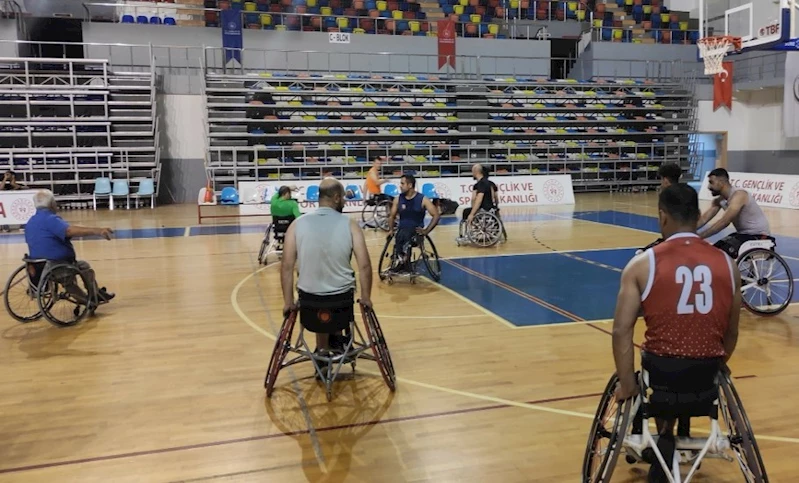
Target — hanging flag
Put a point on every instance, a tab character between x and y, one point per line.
790	104
232	37
722	88
446	43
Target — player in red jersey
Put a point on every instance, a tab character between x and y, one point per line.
690	295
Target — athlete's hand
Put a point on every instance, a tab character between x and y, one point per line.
622	393
421	231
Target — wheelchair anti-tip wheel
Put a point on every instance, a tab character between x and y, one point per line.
606	438
21	296
740	434
64	295
485	230
379	347
766	282
282	346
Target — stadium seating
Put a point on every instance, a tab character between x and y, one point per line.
89	123
643	21
606	133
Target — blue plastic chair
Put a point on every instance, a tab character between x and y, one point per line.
128	19
146	188
312	193
356	192
142	19
429	190
391	190
155	20
120	189
102	187
229	196
170	21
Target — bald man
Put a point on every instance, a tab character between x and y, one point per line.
482	196
322	244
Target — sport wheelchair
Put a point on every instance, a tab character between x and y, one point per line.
485	230
766	279
623	427
328	364
274	236
376	210
422	260
56	290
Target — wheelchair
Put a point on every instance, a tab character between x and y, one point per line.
376	211
328	364
623	427
422	260
766	279
57	291
485	230
274	236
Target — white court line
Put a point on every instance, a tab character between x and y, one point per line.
548	252
187	231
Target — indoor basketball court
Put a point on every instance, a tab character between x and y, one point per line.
499	367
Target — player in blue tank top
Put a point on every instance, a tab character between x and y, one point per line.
411	207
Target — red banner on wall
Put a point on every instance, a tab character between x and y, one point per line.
446	43
722	88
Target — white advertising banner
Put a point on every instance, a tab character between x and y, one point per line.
774	190
16	207
535	190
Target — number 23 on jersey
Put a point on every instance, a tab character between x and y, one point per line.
695	299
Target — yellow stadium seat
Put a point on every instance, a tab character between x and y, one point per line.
266	19
396	14
617	34
382	5
342	22
647	9
683	26
326	11
250	7
514	4
415	26
282	28
475	18
581	15
311	3
458	9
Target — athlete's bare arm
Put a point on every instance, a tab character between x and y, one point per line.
628	306
737	202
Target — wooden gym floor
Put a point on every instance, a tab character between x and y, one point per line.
500	367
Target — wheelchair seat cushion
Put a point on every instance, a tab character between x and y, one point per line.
326	314
681	386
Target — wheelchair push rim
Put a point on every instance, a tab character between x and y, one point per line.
384	255
60	284
430	259
766	282
486	230
281	349
19	288
598	465
379	347
742	438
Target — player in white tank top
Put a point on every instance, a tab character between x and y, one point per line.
740	209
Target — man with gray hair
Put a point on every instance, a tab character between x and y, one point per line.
49	238
321	243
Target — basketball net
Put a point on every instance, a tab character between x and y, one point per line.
714	49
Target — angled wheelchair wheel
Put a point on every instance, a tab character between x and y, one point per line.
766	282
64	295
282	345
430	258
382	213
21	297
739	432
384	264
606	438
368	213
264	245
485	230
378	342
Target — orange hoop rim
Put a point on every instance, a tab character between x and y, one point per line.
731	39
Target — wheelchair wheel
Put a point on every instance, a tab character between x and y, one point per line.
264	245
766	282
378	342
610	425
279	353
384	264
485	230
741	436
64	295
430	258
21	297
382	213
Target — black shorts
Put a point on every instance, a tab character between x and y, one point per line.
732	243
326	314
681	387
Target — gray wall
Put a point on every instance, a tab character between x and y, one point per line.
771	162
8	34
612	59
179	60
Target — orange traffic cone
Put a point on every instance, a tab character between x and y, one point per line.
209	193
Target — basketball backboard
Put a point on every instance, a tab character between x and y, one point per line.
761	24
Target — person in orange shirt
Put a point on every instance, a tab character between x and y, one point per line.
373	180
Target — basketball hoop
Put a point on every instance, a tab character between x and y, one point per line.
713	50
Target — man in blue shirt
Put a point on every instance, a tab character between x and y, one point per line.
411	207
49	237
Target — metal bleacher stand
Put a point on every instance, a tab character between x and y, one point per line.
609	134
66	122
